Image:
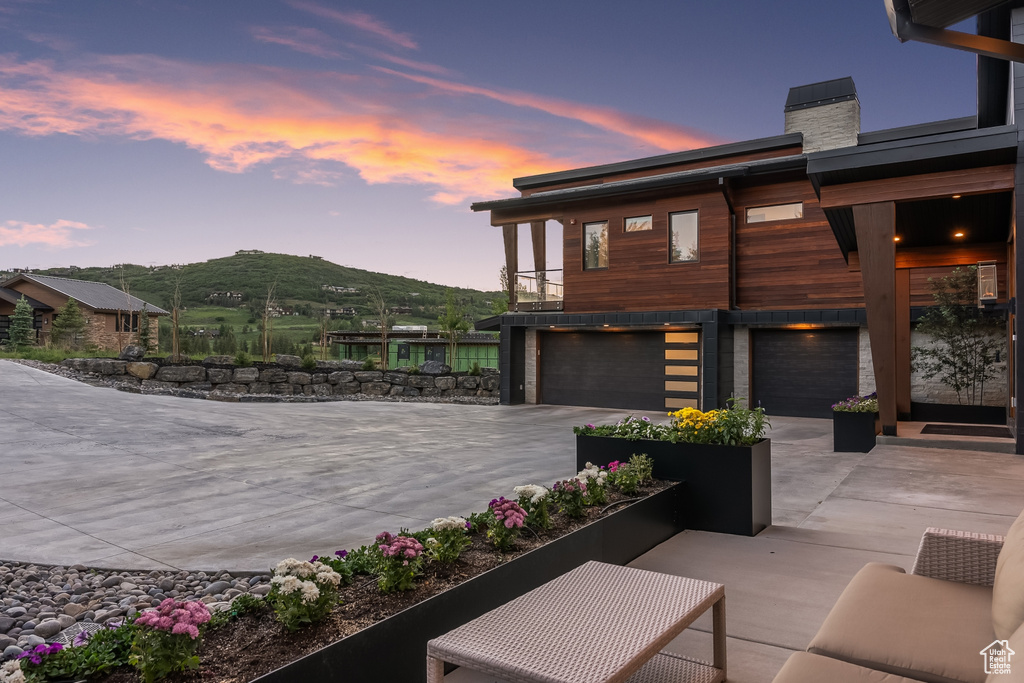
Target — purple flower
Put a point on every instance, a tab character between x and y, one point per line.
81	638
469	525
341	553
315	558
590	426
645	418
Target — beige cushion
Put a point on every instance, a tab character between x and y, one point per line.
1008	590
913	626
804	667
1016	675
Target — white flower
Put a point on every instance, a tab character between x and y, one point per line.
535	493
11	672
446	523
431	541
328	576
309	591
591	472
287	584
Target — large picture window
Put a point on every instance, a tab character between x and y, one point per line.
682	237
127	322
595	245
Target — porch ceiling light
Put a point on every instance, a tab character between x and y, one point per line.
956	196
958	233
896	238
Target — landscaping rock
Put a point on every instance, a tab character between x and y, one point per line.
198	386
328	365
219	360
435	367
48	628
220	375
468	382
490	382
64	620
12	652
351	365
181	373
132	353
317	378
6	624
72	610
142	370
288	361
232	388
273	375
260	590
375	388
321	389
369	376
216	587
421	381
154	385
347	388
444	383
246	374
398	378
430	391
410	391
103	366
340	376
298	378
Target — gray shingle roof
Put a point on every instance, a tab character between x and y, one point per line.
97	295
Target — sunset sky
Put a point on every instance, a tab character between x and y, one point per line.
173	131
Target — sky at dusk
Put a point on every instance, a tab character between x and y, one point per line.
174	131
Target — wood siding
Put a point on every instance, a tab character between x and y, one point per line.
639	276
790	264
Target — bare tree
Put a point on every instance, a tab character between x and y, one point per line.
379	305
267	322
175	307
125	287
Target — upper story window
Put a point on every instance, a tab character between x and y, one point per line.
682	237
776	212
638	223
595	245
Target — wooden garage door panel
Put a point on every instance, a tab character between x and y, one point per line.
603	369
801	373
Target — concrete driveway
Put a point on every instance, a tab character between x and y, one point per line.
104	478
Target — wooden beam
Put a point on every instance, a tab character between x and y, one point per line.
527	215
924	186
933	257
902	343
875	225
538	234
511	234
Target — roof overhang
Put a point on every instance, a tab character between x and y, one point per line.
926	21
13	296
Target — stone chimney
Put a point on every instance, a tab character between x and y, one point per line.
827	113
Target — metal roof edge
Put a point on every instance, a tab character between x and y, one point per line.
918	130
728	149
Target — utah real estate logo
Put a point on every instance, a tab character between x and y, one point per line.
997	656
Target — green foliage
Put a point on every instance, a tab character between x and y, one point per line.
452	323
243	359
370	363
626	479
570	497
308	362
145	334
445	545
20	331
302	593
642	466
478	521
966	340
857	404
474	370
243	604
158	654
364	559
104	650
68	328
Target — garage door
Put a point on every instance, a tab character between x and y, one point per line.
631	370
803	372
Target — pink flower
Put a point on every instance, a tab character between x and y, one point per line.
163	623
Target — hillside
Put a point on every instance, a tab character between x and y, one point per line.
299	282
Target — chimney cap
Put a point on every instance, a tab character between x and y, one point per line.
818	94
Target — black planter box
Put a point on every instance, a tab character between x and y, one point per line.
854	432
943	412
395	649
728	489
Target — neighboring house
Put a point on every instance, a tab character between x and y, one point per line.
411	345
112	318
785	270
8	300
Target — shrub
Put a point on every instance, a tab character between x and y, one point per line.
369	364
643	466
448	539
308	362
243	604
401	562
570	495
166	639
303	592
243	359
508	519
362	560
474	370
593	477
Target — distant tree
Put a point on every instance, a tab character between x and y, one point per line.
379	307
453	324
68	328
500	305
267	324
144	329
175	329
20	331
226	344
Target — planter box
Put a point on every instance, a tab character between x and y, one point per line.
943	412
728	489
395	649
854	432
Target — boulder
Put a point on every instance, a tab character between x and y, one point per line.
421	381
246	374
435	367
468	382
444	383
181	373
369	376
396	390
281	389
219	360
288	361
220	375
410	391
132	352
198	386
232	388
47	629
330	365
490	382
317	378
430	391
347	388
259	388
399	378
273	375
298	378
141	370
102	366
155	385
321	389
375	388
351	365
490	371
340	376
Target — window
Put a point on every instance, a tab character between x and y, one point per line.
595	245
638	223
777	212
682	237
127	322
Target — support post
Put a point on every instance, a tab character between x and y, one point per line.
538	236
875	226
903	344
511	234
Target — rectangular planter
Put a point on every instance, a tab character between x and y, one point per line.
395	649
942	412
854	432
728	488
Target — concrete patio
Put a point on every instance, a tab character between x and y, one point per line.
96	476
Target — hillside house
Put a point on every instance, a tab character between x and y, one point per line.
111	317
787	270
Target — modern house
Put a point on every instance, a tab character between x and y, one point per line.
111	316
787	270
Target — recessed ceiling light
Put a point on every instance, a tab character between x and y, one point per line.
956	196
606	325
896	238
958	234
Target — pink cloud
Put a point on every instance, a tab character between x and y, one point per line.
400	61
359	20
307	40
666	136
58	235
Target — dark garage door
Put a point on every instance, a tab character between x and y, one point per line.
803	372
602	369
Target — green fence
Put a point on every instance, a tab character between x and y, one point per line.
403	353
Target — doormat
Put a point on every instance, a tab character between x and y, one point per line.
968	430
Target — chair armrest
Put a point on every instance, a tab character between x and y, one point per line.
959	556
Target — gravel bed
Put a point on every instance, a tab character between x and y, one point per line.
134	388
38	602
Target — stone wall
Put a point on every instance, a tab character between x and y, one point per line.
218	378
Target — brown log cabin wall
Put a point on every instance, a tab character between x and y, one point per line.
639	276
703	163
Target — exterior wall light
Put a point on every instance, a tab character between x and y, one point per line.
988	282
958	234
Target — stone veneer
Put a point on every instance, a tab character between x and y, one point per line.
217	376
